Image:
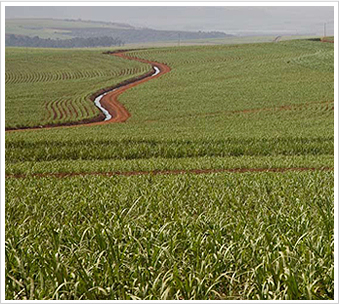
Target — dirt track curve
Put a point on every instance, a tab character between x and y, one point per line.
110	101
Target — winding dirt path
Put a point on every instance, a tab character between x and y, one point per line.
110	100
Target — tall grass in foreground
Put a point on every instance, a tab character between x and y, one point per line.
218	236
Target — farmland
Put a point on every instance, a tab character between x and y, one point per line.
260	234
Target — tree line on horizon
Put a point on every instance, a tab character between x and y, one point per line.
78	42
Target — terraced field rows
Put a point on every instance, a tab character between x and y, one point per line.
68	110
45	87
31	77
232	53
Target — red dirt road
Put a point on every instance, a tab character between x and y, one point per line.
110	101
167	172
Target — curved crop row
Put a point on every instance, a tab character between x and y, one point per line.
69	109
224	54
58	88
38	76
244	51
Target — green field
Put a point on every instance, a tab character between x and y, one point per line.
254	235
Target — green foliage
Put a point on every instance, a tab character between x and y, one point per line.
26	41
219	236
54	28
63	29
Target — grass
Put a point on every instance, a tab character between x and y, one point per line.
221	236
215	236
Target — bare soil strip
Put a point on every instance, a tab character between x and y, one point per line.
167	172
110	101
292	107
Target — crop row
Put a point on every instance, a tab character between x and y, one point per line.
243	53
37	76
93	166
206	80
215	236
72	149
69	109
307	131
321	108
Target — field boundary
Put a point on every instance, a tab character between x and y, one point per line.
169	172
287	107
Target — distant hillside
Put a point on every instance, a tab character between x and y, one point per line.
78	42
143	35
66	29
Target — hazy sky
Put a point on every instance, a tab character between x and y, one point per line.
233	20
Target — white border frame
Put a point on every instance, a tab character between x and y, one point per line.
173	3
